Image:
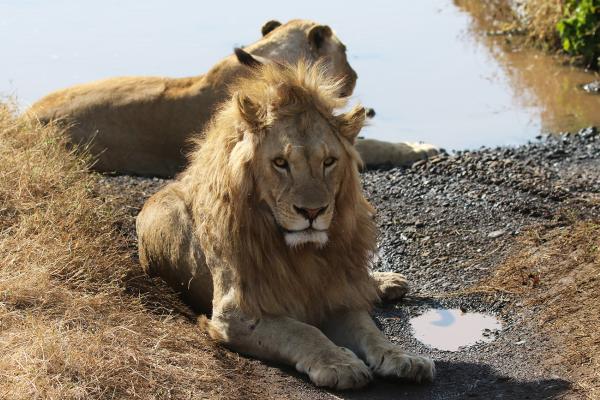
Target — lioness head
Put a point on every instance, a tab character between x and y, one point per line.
301	39
302	152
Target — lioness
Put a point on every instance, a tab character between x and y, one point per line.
141	125
269	227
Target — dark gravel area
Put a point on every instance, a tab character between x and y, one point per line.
447	224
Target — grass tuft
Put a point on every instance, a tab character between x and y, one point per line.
75	322
557	272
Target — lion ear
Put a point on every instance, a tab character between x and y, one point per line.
246	58
351	123
269	26
318	34
251	112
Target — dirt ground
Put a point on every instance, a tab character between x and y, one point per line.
474	230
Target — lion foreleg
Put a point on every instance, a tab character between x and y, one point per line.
357	331
168	247
291	342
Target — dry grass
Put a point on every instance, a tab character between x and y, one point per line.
75	317
535	19
558	271
540	22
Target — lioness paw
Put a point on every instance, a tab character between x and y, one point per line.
424	151
394	363
427	149
391	286
339	369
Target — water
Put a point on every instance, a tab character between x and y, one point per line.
452	329
425	66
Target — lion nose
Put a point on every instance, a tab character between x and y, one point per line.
310	213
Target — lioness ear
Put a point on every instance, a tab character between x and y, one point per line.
269	26
246	58
250	111
351	123
318	34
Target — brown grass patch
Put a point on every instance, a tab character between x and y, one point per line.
535	21
74	318
558	272
540	22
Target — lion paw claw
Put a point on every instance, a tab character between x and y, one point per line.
394	363
340	369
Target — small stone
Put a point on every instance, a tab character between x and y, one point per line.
496	234
588	132
520	342
592	87
419	163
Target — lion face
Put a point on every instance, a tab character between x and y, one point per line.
300	165
299	151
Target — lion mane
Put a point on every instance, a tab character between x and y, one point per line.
241	242
225	233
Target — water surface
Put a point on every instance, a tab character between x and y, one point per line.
453	329
425	66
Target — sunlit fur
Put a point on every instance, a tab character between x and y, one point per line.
240	239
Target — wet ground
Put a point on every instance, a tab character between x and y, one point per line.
447	224
430	69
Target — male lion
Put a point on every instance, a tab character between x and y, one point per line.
269	227
142	125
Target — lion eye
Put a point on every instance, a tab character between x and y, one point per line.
329	161
280	163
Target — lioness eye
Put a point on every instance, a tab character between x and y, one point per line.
329	161
280	163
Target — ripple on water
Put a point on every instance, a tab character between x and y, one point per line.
453	329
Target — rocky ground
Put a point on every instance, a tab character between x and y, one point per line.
447	224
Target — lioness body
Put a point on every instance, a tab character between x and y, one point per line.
142	125
269	229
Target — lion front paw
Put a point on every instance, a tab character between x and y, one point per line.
395	363
339	369
391	286
423	151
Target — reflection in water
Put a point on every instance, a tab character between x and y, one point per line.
426	66
451	329
446	318
540	82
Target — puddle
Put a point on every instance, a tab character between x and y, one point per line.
554	94
451	329
426	67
